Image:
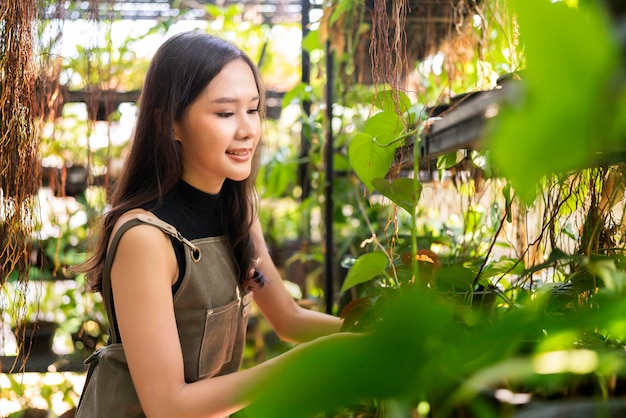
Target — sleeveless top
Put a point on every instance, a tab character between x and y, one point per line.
210	308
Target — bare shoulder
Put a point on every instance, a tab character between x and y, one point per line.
145	246
142	236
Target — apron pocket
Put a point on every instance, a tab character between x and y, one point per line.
220	330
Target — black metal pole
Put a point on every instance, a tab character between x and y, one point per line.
305	20
328	189
305	144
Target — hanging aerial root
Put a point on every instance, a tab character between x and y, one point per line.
18	140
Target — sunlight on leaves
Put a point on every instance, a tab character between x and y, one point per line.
573	361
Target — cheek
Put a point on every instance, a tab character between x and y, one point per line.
258	130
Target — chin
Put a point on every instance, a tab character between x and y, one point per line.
242	177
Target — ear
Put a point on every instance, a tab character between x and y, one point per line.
176	130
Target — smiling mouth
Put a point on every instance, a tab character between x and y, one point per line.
237	152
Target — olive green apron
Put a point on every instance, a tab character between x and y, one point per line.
211	315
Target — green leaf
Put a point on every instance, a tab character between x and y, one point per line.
449	160
401	191
474	219
343	6
369	160
300	93
508	200
556	256
72	257
311	41
395	101
372	152
384	127
278	180
213	10
340	162
367	267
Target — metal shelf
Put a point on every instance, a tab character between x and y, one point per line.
272	11
44	362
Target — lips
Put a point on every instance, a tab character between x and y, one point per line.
240	154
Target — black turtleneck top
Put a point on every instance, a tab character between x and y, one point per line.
194	213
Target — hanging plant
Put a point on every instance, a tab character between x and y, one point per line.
18	142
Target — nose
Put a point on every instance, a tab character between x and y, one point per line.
248	126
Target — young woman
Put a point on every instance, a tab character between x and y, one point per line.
185	250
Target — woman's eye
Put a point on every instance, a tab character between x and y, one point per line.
253	111
225	114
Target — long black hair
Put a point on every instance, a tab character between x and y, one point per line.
179	71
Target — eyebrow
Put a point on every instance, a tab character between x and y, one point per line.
227	100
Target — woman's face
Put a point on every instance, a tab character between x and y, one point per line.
221	129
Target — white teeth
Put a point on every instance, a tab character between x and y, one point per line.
236	152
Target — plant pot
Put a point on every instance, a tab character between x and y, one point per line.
35	337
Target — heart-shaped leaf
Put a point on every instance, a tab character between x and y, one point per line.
384	127
367	267
368	159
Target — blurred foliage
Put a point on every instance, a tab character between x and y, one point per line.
562	338
424	350
574	95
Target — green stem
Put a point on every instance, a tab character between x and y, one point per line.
416	191
398	139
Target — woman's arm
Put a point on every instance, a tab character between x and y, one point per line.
290	321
